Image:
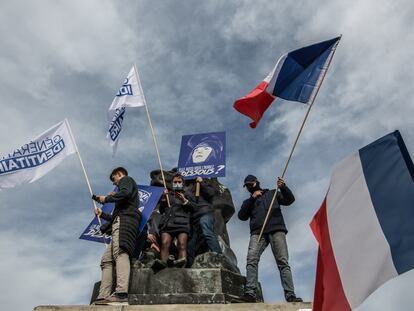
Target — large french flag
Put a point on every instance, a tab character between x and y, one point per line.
365	226
296	77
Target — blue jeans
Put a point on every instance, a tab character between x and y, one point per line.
277	241
202	231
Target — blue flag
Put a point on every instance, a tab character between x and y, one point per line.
148	199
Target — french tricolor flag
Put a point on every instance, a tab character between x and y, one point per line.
296	77
365	226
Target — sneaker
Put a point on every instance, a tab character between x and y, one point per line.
159	264
293	298
117	299
180	263
99	301
249	297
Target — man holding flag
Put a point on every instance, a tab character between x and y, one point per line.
123	223
255	208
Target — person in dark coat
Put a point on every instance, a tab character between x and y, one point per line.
202	220
255	208
123	224
175	222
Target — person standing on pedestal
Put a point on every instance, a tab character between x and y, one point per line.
202	220
175	223
123	224
255	208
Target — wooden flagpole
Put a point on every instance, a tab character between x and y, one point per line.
311	101
152	132
84	172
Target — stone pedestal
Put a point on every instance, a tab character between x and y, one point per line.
211	280
185	286
305	306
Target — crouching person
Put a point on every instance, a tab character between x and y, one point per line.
175	223
123	224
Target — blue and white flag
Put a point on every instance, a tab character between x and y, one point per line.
365	224
129	95
203	155
148	199
38	157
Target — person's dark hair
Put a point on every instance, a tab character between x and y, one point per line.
178	175
116	170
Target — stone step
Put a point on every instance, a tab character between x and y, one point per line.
305	306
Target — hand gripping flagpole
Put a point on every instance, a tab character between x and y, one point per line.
84	172
311	101
152	132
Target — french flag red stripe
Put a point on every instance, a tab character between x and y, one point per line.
329	294
255	103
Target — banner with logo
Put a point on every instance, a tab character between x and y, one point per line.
129	95
148	199
203	155
38	157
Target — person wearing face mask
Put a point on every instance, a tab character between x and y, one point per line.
123	224
255	208
175	222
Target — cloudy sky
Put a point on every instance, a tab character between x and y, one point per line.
66	59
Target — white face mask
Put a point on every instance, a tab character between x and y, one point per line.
177	186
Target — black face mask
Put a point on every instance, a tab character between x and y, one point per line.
255	188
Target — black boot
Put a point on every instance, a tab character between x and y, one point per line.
293	298
159	264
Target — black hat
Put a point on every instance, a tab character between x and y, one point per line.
249	178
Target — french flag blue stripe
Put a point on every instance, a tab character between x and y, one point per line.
389	175
301	70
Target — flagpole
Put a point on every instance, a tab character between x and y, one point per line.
84	170
152	132
311	101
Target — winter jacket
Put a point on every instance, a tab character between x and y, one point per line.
177	217
126	207
204	203
256	210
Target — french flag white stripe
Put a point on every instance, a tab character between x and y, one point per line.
272	76
361	251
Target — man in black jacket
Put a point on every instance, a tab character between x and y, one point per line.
124	223
202	221
256	208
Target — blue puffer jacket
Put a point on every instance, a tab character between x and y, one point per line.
256	210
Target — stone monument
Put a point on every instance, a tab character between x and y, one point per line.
213	278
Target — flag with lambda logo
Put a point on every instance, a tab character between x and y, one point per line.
148	199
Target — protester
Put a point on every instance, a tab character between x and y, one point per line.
123	225
256	208
175	222
202	220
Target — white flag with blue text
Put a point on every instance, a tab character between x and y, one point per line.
129	95
38	157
